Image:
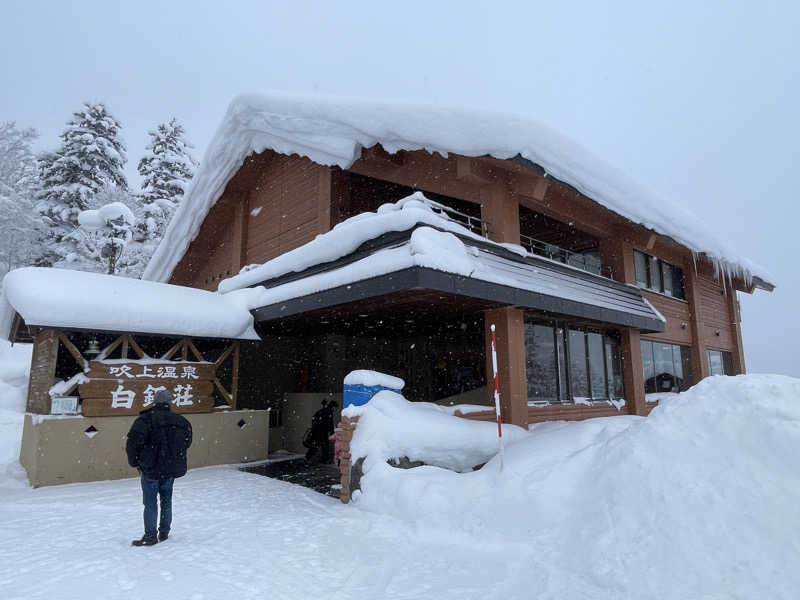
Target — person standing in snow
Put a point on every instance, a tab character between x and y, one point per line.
156	446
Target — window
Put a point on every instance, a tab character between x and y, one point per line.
666	367
654	274
720	363
565	362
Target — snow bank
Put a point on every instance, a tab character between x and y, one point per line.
332	131
15	364
390	426
697	500
373	378
64	298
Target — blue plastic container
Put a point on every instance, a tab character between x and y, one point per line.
358	394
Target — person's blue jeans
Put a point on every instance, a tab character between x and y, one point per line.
151	490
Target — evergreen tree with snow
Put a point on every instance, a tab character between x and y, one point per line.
166	170
91	158
19	182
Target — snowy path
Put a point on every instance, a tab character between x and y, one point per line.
237	535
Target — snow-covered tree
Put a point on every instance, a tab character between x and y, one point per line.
90	159
106	232
19	180
166	170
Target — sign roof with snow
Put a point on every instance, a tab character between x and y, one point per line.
79	300
333	131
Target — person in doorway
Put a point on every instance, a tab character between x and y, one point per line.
156	446
321	429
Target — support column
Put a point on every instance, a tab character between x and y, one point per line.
699	362
632	371
510	333
43	371
500	210
736	328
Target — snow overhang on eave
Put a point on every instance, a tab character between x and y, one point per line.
546	286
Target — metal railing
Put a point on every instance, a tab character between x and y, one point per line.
474	224
587	262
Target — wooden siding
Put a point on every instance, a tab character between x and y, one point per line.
678	317
274	205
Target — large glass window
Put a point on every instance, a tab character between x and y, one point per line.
654	274
720	363
666	367
565	363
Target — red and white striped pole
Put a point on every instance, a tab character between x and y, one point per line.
497	397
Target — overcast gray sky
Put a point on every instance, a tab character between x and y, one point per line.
696	99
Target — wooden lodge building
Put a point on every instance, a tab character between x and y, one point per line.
603	297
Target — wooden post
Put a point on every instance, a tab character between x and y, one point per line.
699	363
500	209
240	221
632	371
43	371
510	324
736	328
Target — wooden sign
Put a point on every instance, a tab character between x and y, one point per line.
126	387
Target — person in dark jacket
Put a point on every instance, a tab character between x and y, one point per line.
157	445
322	427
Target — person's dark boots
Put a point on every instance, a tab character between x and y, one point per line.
163	535
145	541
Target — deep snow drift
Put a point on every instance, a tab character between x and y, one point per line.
15	364
700	499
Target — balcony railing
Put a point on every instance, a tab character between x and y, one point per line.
588	261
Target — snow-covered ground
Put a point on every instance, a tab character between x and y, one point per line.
699	500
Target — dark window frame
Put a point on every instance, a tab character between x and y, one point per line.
610	339
648	279
726	361
681	362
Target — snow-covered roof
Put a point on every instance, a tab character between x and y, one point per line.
336	260
80	300
332	131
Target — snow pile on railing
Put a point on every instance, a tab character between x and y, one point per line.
348	235
332	131
697	500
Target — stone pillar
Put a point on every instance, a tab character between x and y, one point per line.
510	333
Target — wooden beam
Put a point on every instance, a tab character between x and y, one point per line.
540	189
169	353
43	371
651	241
82	362
124	353
109	349
224	355
184	350
241	216
136	347
632	371
223	391
474	171
195	351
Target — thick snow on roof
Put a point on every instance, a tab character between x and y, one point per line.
332	131
76	299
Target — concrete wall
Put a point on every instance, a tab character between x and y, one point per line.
57	449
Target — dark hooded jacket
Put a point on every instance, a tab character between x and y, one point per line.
158	441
